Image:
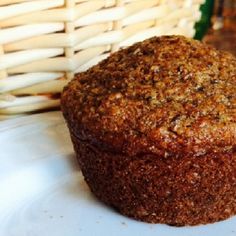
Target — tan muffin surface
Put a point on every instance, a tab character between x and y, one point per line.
154	129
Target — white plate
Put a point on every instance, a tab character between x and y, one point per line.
42	193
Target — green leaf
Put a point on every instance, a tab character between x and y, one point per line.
204	23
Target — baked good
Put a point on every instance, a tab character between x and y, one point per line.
154	130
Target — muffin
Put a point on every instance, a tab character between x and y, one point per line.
154	130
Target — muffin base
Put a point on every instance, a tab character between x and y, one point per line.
186	190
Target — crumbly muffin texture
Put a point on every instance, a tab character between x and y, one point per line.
166	95
154	130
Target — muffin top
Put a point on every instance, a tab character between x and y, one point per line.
167	96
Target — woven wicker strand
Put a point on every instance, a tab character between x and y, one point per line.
44	43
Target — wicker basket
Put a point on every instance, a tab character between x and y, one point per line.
43	43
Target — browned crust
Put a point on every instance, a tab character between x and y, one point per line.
176	191
166	95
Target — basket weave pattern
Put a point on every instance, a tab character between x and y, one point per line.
43	43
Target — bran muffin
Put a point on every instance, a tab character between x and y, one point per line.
154	130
